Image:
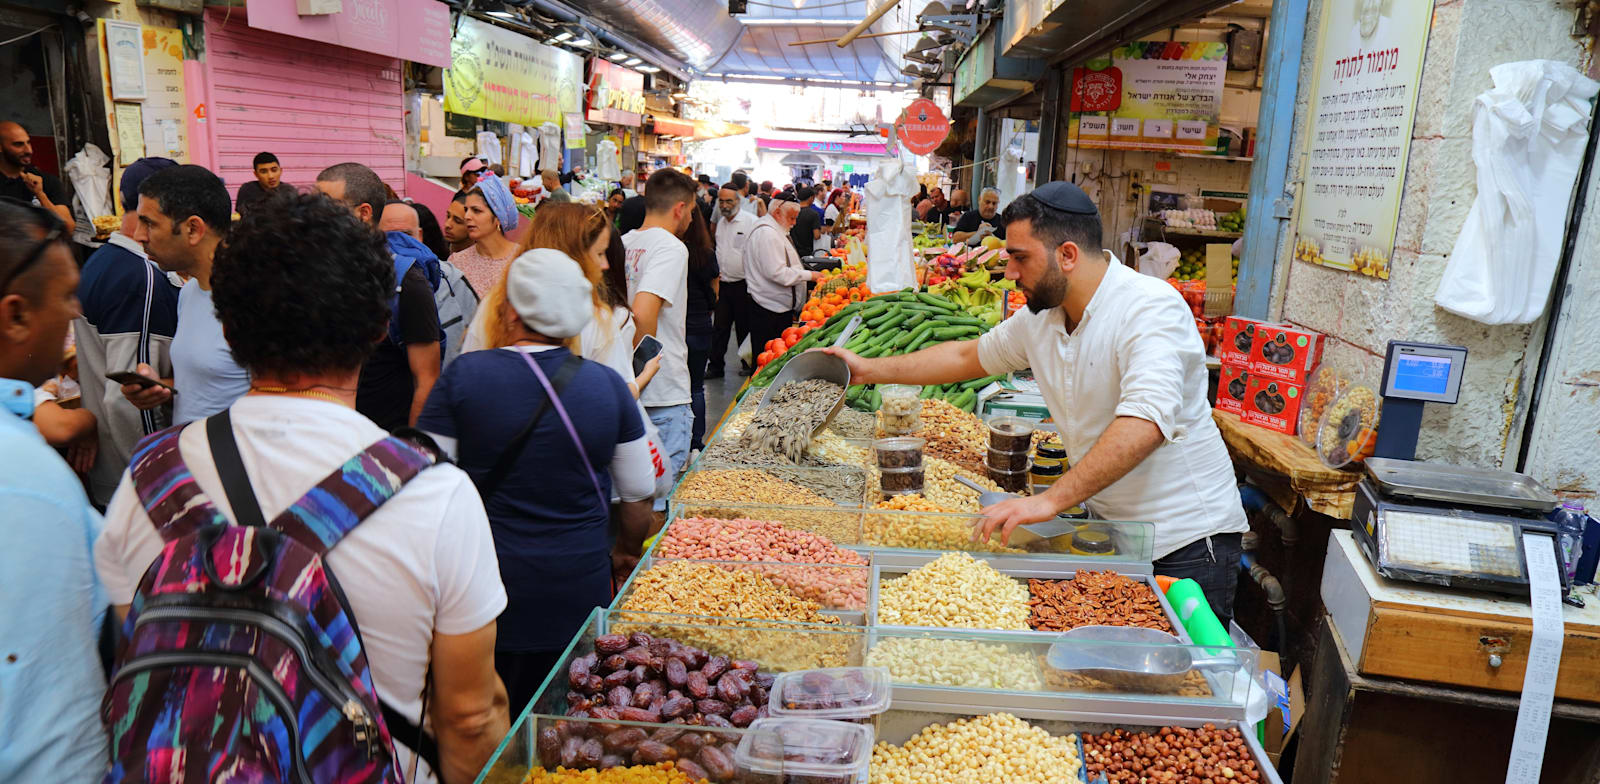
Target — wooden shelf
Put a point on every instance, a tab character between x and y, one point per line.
1203	156
1166	230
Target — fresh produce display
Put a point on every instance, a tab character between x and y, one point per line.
793	411
1094	598
1193	218
1234	221
834	290
993	748
974	292
897	323
963	664
1169	754
1192	266
956	590
638	677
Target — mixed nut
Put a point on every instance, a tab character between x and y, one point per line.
1094	598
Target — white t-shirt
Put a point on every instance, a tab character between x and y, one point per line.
1136	353
424	562
658	263
610	342
732	236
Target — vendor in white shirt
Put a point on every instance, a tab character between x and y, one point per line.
774	277
1123	372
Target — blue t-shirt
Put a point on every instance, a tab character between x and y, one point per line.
203	370
51	606
551	530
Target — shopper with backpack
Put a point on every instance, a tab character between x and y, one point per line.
398	376
369	600
453	298
51	605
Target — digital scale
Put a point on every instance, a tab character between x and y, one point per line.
1436	523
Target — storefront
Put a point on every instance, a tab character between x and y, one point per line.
313	90
815	157
615	113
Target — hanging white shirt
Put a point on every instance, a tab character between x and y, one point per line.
607	162
889	227
733	236
489	147
1135	353
772	268
550	146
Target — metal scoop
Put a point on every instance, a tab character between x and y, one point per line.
1035	537
1143	660
815	364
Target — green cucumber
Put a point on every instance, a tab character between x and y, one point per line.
877	399
938	302
927	392
980	383
914	318
965	400
952	333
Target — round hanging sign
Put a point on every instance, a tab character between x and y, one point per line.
922	127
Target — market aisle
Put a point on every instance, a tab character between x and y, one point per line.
720	392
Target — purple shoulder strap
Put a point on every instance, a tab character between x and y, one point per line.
555	400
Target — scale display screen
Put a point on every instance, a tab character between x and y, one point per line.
1422	371
1440	543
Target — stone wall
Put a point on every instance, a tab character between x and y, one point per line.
1361	314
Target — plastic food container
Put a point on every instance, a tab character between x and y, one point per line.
1090	540
899	452
1009	481
901	412
854	694
817	751
1008	461
1051	450
901	481
1045	474
1010	433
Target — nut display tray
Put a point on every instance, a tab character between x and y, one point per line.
1019	568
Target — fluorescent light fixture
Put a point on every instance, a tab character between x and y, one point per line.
584	41
502	14
563	35
647	69
633	61
884	84
790	21
550	42
617	56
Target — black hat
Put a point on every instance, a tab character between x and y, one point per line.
705	179
1066	197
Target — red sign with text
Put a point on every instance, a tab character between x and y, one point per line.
922	127
1096	91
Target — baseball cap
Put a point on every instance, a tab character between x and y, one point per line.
473	165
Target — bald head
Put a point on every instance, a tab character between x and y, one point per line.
16	152
400	216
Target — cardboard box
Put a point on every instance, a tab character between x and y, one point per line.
1231	386
1238	340
1270	403
1285	353
1287	704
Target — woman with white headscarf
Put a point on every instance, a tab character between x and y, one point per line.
491	215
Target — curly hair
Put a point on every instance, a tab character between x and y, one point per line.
571	228
302	286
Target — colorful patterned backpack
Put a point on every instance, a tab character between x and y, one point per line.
240	658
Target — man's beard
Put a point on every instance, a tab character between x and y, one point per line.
1049	293
19	161
728	214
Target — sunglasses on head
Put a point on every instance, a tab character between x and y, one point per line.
54	229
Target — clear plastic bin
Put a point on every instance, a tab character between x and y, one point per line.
1010	433
854	694
901	412
821	751
900	452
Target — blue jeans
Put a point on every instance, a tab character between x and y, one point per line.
675	424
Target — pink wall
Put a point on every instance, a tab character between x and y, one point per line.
309	103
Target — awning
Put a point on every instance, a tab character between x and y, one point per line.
672	126
754	46
1072	33
801	159
716	129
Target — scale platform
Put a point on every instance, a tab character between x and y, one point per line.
1446	525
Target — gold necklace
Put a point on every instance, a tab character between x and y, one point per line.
302	392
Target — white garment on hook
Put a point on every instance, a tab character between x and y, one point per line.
888	206
1528	138
489	147
608	163
550	146
523	153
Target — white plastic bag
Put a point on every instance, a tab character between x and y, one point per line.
1159	259
91	188
888	197
1528	137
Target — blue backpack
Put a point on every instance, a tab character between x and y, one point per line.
454	300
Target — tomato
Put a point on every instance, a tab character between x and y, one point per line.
791	334
765	358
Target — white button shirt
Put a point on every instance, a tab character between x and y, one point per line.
772	270
1135	353
732	237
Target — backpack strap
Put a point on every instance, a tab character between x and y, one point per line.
230	469
352	492
175	503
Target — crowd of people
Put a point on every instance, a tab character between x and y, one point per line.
521	392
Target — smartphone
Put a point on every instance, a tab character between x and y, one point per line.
126	377
648	347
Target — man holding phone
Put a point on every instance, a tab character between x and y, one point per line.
183	213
